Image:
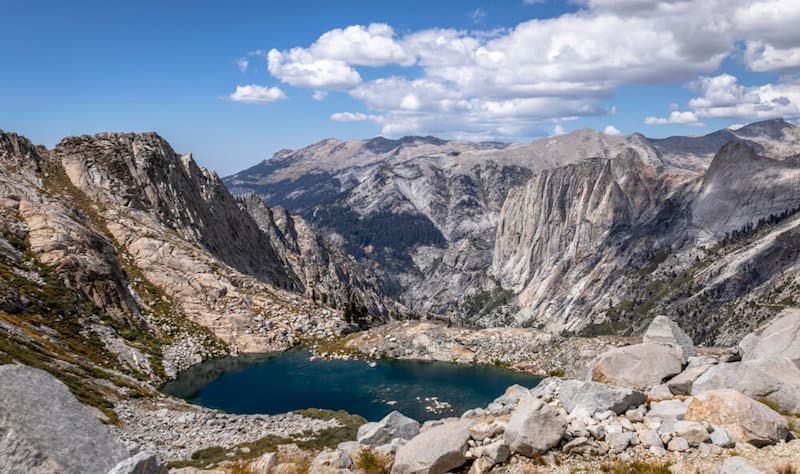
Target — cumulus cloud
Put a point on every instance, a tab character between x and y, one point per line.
722	96
676	117
612	130
253	94
521	79
355	117
242	64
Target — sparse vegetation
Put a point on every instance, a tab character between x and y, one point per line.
372	462
637	467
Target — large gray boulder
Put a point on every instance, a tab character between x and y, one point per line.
663	330
584	399
781	337
746	419
775	379
44	429
436	450
639	366
394	425
534	427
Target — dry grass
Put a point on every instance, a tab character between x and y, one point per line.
636	467
372	462
786	469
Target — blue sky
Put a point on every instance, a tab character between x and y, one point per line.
173	66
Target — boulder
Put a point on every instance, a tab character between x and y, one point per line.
693	432
497	452
534	427
43	428
681	384
678	444
639	366
746	419
775	379
663	330
583	399
780	337
141	463
720	437
668	410
394	425
737	465
650	438
436	450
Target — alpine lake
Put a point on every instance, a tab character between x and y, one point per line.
293	380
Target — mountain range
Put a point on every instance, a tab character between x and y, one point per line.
583	233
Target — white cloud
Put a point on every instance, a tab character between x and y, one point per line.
298	67
242	64
354	117
611	130
723	97
559	130
520	80
319	95
253	94
676	117
373	45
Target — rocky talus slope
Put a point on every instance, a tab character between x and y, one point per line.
582	232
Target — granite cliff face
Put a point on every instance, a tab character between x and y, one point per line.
550	233
612	243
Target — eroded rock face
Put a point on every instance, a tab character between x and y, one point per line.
746	419
434	451
776	379
44	429
780	337
534	427
639	366
584	399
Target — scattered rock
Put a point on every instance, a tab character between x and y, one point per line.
693	432
737	465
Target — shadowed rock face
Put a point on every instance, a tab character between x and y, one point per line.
141	172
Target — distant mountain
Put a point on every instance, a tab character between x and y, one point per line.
543	233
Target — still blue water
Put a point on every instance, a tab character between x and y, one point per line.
278	383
